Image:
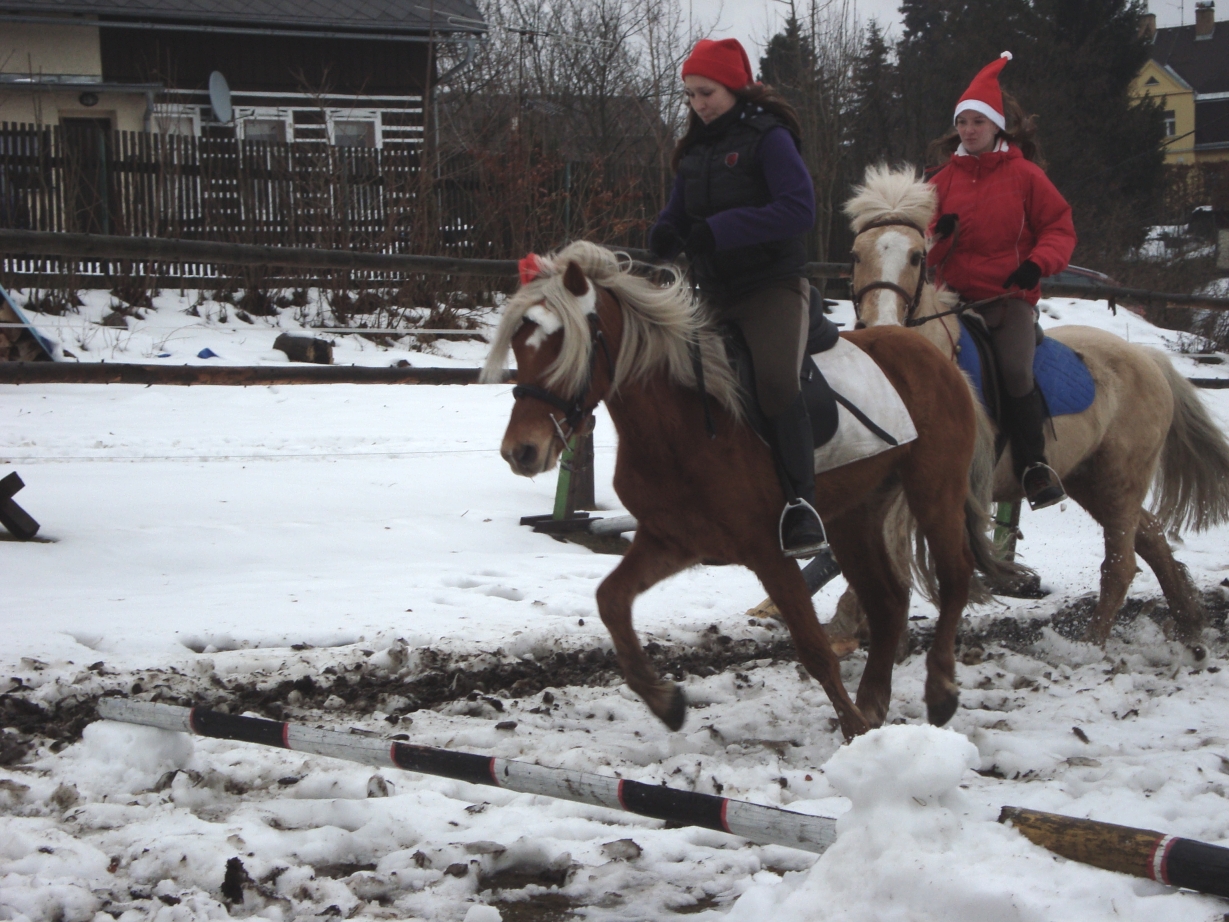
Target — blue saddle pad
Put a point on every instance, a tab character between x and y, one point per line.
1062	375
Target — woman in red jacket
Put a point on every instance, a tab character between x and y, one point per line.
999	228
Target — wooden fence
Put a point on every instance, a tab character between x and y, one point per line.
85	180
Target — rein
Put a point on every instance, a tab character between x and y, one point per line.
961	308
574	411
912	301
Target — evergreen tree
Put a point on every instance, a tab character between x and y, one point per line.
872	123
788	63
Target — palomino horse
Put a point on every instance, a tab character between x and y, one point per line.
586	330
1146	428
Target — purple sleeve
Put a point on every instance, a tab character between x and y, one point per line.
792	209
675	212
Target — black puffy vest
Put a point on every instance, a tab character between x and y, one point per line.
721	171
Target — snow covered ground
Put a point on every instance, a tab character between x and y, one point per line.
336	548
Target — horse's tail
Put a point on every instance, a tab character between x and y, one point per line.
994	570
1191	489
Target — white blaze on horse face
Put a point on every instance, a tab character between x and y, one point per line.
588	301
892	248
547	323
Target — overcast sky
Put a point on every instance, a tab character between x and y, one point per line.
751	21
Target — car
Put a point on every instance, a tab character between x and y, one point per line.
1078	275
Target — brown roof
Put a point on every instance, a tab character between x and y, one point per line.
349	15
1204	64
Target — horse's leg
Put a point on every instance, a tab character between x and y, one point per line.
788	591
859	537
849	623
938	504
1117	511
649	560
1185	605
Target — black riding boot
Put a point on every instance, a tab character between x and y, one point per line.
801	532
1026	421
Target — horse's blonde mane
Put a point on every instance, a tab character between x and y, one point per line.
890	194
659	323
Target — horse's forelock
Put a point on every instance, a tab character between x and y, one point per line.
888	194
659	322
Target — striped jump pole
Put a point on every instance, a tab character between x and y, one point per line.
1143	853
761	824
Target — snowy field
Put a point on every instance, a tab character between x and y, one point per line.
324	554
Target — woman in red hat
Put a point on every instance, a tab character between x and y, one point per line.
741	206
1000	227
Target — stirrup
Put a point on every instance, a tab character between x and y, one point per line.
814	544
1046	493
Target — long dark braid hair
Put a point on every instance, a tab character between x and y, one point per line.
1021	132
757	94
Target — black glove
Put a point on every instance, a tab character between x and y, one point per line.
664	241
945	225
700	241
1025	277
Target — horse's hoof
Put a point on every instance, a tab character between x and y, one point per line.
1094	636
844	646
853	723
941	711
673	710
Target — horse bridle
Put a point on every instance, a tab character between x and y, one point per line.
574	411
912	301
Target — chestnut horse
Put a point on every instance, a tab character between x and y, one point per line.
1147	427
586	330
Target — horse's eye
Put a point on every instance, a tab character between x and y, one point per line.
855	257
916	258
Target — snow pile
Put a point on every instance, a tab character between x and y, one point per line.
912	847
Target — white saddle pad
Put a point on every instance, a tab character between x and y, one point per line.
854	376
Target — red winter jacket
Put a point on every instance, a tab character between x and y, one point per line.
1009	211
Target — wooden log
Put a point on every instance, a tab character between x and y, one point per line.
1144	853
234	375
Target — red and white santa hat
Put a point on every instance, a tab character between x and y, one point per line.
984	95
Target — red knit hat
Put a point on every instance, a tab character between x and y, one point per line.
984	95
725	61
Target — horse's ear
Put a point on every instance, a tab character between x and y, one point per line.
574	280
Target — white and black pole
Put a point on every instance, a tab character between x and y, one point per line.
761	824
1165	858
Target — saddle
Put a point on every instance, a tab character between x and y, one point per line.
820	399
1062	377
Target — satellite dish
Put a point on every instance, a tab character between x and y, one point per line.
219	97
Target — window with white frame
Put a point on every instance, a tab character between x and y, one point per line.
263	124
1171	123
352	128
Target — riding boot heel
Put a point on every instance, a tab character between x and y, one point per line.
800	530
1026	426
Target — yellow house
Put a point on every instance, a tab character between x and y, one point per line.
1188	72
1177	100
